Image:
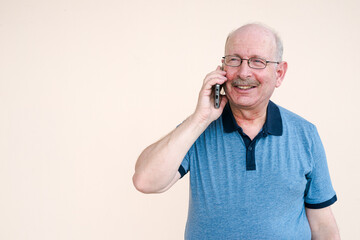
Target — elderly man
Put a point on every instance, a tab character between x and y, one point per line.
257	170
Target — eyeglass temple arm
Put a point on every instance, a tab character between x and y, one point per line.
272	62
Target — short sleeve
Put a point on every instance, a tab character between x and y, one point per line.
319	191
185	165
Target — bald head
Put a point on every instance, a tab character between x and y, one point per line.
256	31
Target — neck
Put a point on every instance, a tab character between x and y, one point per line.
250	120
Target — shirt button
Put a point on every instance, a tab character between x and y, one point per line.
250	148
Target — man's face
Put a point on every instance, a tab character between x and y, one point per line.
249	88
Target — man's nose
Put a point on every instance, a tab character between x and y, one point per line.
244	71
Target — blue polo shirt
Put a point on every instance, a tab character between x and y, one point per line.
256	189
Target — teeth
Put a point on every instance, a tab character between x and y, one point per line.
244	87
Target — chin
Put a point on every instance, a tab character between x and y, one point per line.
245	102
241	104
242	100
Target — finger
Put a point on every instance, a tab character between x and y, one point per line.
215	74
220	70
210	81
217	71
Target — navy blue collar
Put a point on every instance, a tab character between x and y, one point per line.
272	126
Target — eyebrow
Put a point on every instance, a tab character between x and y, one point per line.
258	56
252	56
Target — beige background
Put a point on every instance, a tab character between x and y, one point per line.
86	85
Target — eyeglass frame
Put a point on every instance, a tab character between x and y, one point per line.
248	61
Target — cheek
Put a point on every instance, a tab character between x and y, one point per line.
266	79
230	74
228	70
228	88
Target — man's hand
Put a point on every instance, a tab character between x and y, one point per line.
205	111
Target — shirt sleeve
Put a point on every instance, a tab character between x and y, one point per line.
185	165
319	191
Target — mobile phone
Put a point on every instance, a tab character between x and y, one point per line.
217	90
217	95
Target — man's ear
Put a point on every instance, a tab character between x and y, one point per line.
280	73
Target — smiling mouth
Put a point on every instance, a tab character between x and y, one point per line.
245	87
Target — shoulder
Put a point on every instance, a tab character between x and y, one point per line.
298	128
211	134
294	120
302	135
214	131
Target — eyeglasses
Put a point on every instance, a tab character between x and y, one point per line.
254	62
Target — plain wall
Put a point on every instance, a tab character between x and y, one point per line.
85	86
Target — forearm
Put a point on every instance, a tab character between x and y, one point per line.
322	223
326	233
158	164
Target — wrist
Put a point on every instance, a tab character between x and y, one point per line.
199	122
